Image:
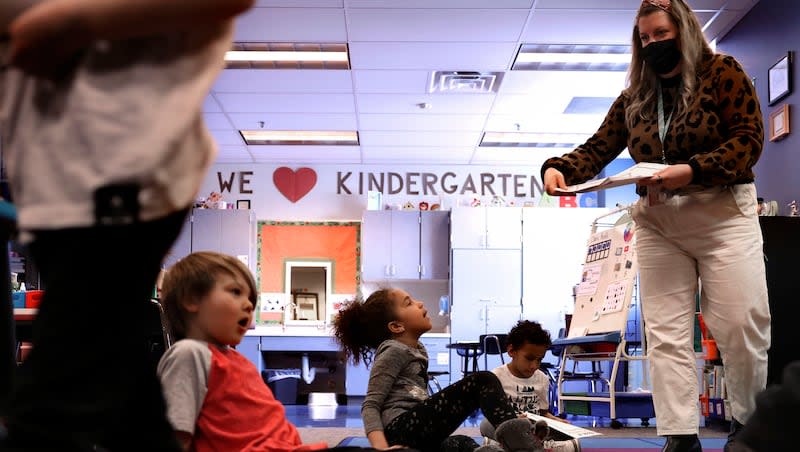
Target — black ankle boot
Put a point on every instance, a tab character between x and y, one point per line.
736	426
682	443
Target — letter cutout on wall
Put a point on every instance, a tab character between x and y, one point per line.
294	185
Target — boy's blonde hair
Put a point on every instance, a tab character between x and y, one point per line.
192	278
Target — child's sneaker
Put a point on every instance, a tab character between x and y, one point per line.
517	435
570	445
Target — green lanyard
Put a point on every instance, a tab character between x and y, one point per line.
663	125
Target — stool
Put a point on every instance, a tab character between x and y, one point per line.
468	351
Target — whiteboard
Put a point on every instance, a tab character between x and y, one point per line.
607	281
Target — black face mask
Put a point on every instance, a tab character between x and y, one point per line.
662	56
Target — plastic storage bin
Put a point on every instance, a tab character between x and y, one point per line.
283	384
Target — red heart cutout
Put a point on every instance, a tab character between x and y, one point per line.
294	184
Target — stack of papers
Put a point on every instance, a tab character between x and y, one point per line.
629	176
567	429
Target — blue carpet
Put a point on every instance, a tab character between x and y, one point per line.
588	444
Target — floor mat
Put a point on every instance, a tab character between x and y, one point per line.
592	444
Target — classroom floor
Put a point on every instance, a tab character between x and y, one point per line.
350	416
342	425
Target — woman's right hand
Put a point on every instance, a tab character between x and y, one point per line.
553	179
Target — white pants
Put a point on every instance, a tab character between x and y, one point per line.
713	235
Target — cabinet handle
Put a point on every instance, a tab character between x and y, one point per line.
422	270
386	270
394	270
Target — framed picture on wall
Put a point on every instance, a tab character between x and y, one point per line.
779	123
779	79
243	204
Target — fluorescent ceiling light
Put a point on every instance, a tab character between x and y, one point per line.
266	55
282	55
300	137
572	57
614	58
533	139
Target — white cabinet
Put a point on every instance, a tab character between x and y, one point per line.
404	245
486	297
434	255
486	227
232	232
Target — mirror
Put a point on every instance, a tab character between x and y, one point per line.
308	292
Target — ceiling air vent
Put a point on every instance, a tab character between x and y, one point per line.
464	82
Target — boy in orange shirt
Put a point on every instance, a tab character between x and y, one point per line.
216	399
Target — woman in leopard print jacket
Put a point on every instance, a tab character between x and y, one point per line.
696	221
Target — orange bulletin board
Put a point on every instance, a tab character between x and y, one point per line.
336	242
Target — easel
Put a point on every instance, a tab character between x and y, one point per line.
599	328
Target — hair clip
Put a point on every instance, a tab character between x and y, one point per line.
664	5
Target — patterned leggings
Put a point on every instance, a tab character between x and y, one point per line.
425	426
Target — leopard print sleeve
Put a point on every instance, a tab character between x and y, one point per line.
588	159
741	126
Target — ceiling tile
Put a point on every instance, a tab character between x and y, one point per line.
436	25
301	3
420	121
306	154
283	81
233	154
294	121
579	83
286	103
461	4
451	56
415	155
391	81
292	24
414	138
580	27
227	137
217	121
211	105
520	156
439	103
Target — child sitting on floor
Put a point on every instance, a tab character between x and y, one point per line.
526	385
384	330
216	399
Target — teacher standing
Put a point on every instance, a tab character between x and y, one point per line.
696	224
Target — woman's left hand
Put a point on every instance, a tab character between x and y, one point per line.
671	178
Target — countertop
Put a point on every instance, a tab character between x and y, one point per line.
308	331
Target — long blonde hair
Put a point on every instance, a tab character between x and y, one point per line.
643	81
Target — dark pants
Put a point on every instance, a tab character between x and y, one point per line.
771	427
89	379
425	426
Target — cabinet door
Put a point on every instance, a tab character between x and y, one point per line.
504	227
356	379
468	227
376	247
486	296
237	235
250	347
206	230
483	279
435	245
405	245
